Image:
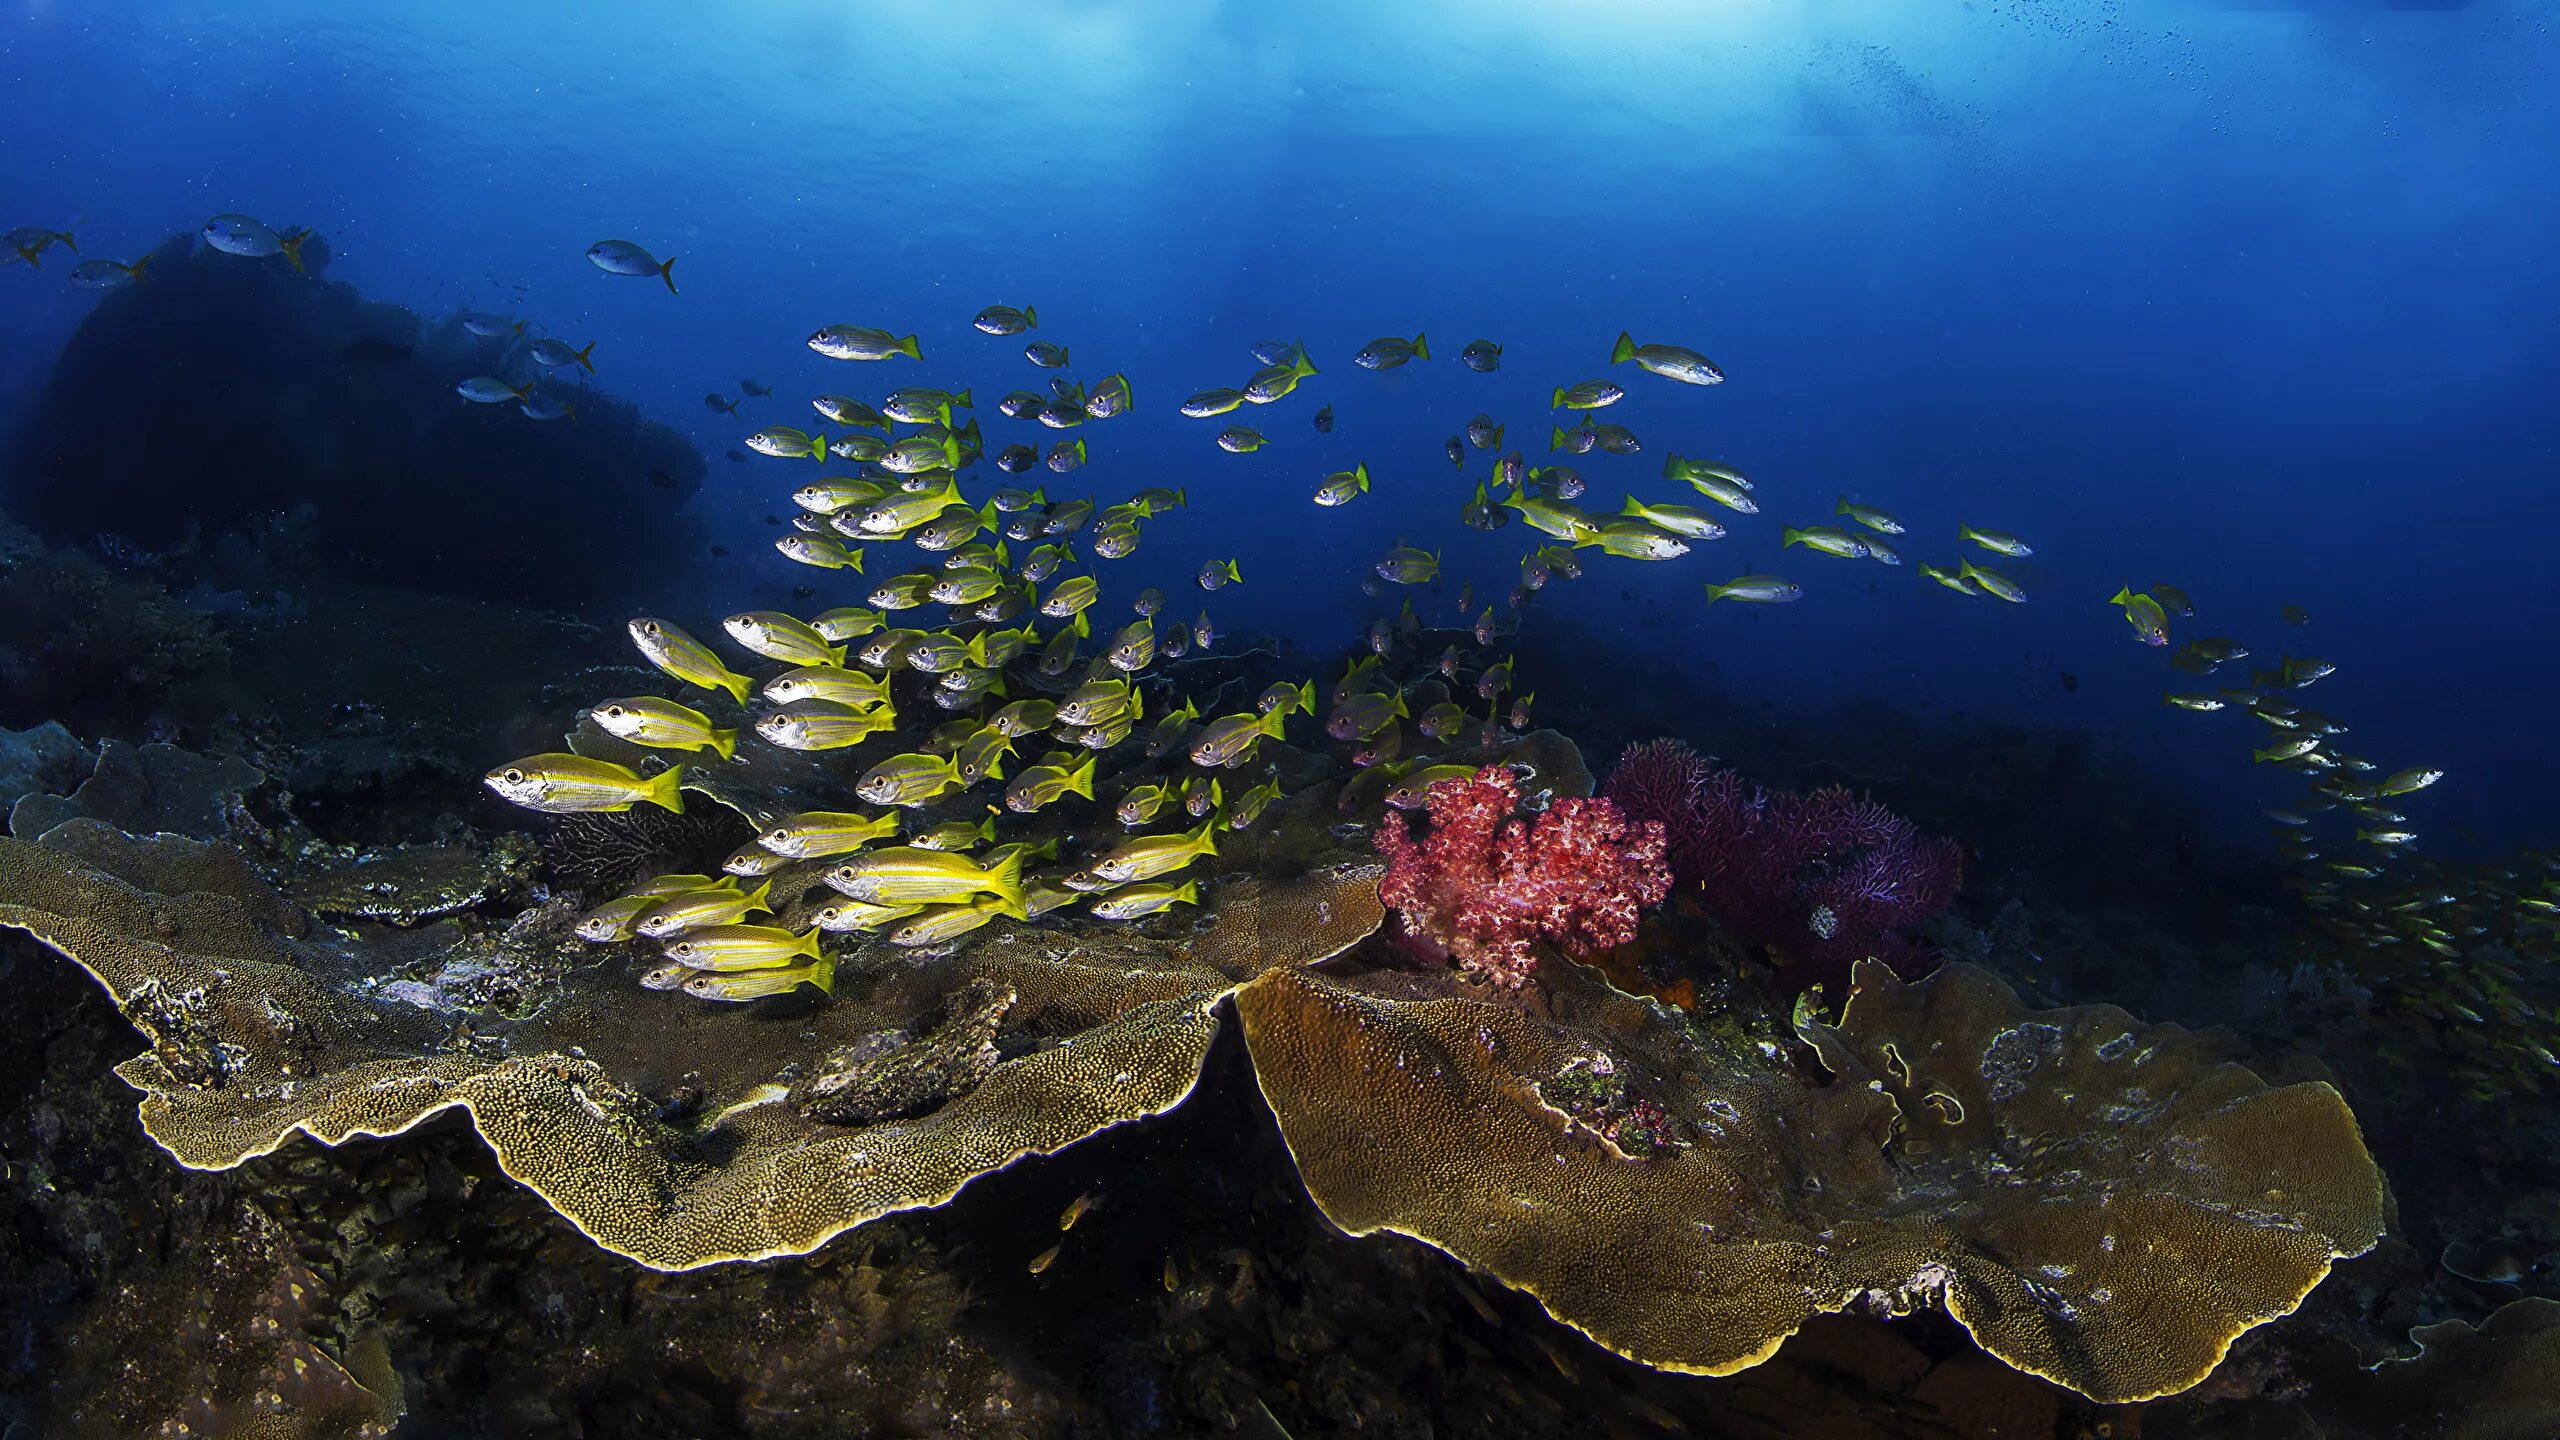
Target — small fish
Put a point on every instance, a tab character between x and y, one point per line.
1145	857
1408	565
1076	1210
1758	589
2206	703
788	442
1342	485
786	638
1240	440
1131	902
1482	356
1203	633
1672	362
1285	698
701	909
1222	740
2296	615
1553	517
1413	789
861	342
1580	440
242	235
1587	395
2409	781
823	725
1116	541
903	874
1456	450
1046	1258
907	780
1273	382
845	410
938	924
555	354
1995	540
663	724
1868	516
1636	540
1218	574
494	327
1250	805
814	834
1993	583
1678	519
1324	421
490	390
1827	540
1387	352
108	274
1046	355
2174	600
1111	396
818	551
955	835
2150	623
2292	747
1212	402
561	784
755	388
1040	785
686	658
1006	320
621	257
755	984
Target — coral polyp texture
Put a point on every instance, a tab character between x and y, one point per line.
1487	886
2100	1202
1824	878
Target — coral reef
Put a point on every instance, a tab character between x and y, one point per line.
2099	1202
325	399
1822	880
603	853
1486	886
94	647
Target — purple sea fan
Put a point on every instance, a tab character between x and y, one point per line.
1820	879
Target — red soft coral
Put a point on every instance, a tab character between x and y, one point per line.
1485	886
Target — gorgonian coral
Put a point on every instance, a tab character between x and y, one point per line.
1825	878
1484	885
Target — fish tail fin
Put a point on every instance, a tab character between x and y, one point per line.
137	267
1556	440
1842	508
1204	841
1080	450
583	356
987	512
1234	576
292	250
1040	496
1004	881
1360	476
1302	364
1967	532
964	402
1032	315
907	346
667	272
1497	437
1790	535
1064	359
662	789
518	327
1080	779
1624	350
1189	894
1082	626
1557	403
1421	346
1717	592
835	655
738	686
724	743
976	650
1307	696
1182	497
854	553
1137	703
760	898
1632	507
996	688
822	972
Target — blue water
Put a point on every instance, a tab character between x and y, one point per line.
2257	301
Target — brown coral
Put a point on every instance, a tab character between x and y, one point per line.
2098	1201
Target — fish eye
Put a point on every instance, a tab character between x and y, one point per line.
515	777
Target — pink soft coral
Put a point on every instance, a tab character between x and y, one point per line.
1485	886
